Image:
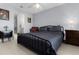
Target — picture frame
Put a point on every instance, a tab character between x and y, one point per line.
4	14
29	19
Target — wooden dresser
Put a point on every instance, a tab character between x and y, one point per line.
72	37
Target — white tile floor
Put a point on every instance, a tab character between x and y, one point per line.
67	49
12	48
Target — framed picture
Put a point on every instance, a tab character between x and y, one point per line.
29	19
4	14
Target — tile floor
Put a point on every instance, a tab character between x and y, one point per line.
12	48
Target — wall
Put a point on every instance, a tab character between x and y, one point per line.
21	17
23	25
66	15
10	22
28	25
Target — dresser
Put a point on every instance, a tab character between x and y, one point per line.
72	37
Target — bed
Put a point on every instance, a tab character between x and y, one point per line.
44	42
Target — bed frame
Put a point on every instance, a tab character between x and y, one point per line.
37	44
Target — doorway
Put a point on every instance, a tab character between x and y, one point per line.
15	24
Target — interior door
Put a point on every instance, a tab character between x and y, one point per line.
15	24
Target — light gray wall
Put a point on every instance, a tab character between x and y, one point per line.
23	22
66	15
10	22
21	16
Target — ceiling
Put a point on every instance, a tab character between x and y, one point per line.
29	7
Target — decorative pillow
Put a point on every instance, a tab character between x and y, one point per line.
45	28
34	29
54	28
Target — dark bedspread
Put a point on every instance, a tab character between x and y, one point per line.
55	38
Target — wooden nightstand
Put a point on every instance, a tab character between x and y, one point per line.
72	37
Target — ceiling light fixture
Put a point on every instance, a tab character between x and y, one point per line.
37	5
